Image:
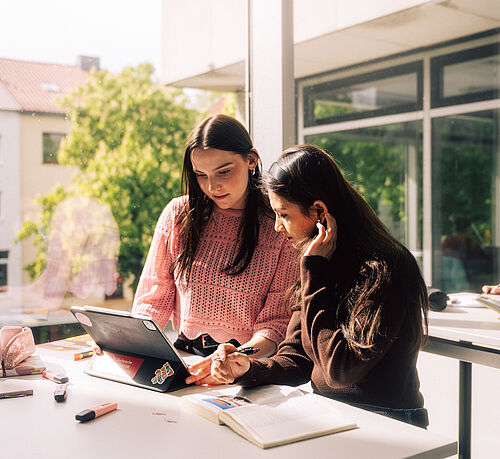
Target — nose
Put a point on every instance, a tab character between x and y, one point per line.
212	185
278	225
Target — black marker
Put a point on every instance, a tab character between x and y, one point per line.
248	350
244	350
60	392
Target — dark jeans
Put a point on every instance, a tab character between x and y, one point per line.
414	416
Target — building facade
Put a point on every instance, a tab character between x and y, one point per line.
32	124
404	94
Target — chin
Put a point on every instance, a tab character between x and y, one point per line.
222	205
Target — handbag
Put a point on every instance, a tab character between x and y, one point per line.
16	345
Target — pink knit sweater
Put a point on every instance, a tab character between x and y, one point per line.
212	302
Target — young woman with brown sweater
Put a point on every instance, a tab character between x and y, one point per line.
360	304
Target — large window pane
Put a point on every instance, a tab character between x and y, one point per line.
383	92
384	165
465	201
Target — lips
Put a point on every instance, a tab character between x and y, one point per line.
222	196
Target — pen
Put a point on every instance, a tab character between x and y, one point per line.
60	392
58	378
92	413
17	393
244	350
249	350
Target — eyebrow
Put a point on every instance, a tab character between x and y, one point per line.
218	167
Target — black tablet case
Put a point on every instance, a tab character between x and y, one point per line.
137	345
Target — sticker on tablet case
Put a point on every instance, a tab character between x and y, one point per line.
162	373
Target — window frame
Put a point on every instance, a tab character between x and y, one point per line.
414	67
4	265
438	64
44	160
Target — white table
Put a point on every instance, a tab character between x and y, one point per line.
151	424
470	335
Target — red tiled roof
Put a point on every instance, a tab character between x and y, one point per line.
30	84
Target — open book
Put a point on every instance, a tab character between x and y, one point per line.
269	415
492	301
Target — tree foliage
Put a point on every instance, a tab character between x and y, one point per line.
126	139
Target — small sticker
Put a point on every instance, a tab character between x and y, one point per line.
149	325
82	318
162	373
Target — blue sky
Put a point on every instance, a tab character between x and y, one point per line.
120	32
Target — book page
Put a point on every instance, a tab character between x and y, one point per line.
492	301
210	404
266	394
295	418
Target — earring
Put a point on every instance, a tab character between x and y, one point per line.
252	172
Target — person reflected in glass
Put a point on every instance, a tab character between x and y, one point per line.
360	305
464	261
216	267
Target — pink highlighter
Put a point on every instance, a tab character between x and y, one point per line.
92	413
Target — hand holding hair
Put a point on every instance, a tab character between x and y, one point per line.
325	243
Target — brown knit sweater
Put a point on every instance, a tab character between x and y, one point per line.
316	349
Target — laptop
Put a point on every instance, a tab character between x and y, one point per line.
135	349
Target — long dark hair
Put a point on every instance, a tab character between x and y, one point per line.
223	133
367	256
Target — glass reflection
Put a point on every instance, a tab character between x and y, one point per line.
465	201
384	164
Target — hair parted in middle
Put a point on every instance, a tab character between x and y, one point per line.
226	133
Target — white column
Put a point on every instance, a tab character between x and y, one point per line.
427	177
270	77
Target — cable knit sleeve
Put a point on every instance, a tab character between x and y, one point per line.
155	295
273	318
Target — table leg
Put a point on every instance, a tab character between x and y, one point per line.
464	429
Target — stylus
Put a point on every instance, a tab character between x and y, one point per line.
249	350
244	350
17	393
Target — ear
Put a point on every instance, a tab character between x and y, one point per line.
318	210
253	158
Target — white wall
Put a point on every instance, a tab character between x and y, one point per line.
200	35
10	188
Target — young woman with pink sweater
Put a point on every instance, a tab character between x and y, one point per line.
216	267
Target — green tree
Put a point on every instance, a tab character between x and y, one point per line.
126	138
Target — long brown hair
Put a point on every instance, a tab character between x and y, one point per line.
223	133
367	258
